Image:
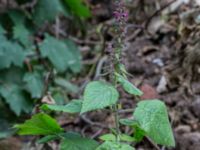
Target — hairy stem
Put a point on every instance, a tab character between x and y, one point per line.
115	109
120	15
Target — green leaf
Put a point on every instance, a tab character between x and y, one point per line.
59	97
48	138
72	107
127	138
34	84
128	86
108	145
73	141
5	134
98	95
16	99
2	31
39	124
108	137
10	53
153	119
58	53
7	77
75	64
46	10
78	8
129	122
17	16
138	132
67	85
20	32
5	129
7	118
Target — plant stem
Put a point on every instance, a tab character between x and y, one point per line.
117	122
120	15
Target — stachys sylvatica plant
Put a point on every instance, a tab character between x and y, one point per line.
150	117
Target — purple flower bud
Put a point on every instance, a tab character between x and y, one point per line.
120	13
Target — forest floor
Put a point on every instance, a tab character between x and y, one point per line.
162	57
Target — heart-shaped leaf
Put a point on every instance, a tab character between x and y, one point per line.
153	119
98	95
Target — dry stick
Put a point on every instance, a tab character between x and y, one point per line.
155	145
29	5
123	111
14	5
78	41
157	12
145	25
96	134
57	27
90	122
48	79
99	67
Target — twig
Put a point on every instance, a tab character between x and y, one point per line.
163	148
100	66
78	41
157	12
96	134
29	5
48	79
57	27
90	122
155	145
116	115
14	5
123	111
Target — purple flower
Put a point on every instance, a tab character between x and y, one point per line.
120	13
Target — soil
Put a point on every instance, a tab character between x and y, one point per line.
162	56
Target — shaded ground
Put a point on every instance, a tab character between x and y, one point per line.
162	55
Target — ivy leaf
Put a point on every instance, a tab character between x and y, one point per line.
75	64
153	119
2	31
10	53
78	8
67	85
58	53
128	86
98	95
73	141
72	107
20	32
59	97
5	127
46	10
16	99
39	124
13	75
34	84
108	145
